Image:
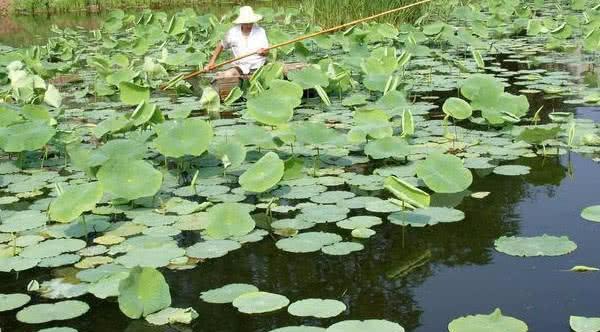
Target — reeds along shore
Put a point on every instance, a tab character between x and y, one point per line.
33	7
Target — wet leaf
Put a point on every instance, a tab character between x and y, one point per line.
144	292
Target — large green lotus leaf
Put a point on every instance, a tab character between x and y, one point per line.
314	133
212	248
494	322
129	179
407	192
75	200
227	293
318	308
133	94
26	136
275	106
457	108
172	316
444	173
378	325
255	135
9	115
13	301
309	77
47	312
537	135
544	245
143	113
121	149
51	248
37	113
482	90
179	138
144	292
374	123
260	302
584	324
264	174
22	221
387	147
591	213
228	220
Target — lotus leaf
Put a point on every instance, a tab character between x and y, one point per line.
50	248
47	312
309	77
407	192
444	173
387	147
212	248
323	213
583	268
371	123
512	170
378	325
308	242
25	136
22	221
264	174
332	197
60	260
13	301
179	138
52	96
260	302
149	257
120	149
129	179
58	329
591	213
359	222
457	108
301	328
275	106
314	133
584	324
229	219
426	216
342	248
17	263
318	308
231	152
362	233
172	316
494	322
143	292
74	201
544	245
227	293
133	94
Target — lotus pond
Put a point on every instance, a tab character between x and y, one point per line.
436	176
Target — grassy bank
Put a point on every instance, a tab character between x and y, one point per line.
329	13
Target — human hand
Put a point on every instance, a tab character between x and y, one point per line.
209	67
263	51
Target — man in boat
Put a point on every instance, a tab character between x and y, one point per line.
244	38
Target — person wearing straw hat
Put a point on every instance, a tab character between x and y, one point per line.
245	37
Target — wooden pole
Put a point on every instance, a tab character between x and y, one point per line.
295	40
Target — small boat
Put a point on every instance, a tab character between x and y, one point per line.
223	86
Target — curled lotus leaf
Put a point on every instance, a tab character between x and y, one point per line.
378	325
183	137
227	293
544	245
318	308
75	200
47	312
129	179
264	174
407	192
133	94
143	292
494	322
444	173
260	302
229	220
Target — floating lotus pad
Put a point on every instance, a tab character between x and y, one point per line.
308	242
544	245
584	324
50	248
47	312
17	263
143	292
427	216
342	248
22	221
591	213
494	322
512	170
172	316
13	301
260	302
212	248
318	308
387	147
359	222
299	329
378	325
150	257
323	213
227	293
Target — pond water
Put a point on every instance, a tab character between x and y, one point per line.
420	277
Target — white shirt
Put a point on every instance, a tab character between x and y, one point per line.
241	45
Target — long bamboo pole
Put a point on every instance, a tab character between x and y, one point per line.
295	40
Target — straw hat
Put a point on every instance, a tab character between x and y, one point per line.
247	15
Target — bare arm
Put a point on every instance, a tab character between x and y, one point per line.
214	57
